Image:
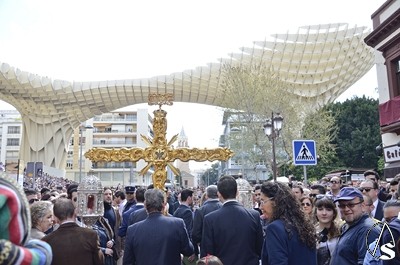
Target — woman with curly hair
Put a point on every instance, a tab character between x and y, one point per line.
327	227
290	239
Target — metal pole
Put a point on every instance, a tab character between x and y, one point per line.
241	140
80	155
305	174
273	153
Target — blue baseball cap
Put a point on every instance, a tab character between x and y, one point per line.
348	194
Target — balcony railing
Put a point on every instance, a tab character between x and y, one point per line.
126	165
113	131
111	118
111	142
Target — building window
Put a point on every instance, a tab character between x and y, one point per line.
131	117
118	177
70	165
13	142
105	176
14	130
12	155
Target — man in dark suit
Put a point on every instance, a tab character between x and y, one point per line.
114	220
371	188
139	194
374	176
186	214
232	233
137	216
72	244
211	204
158	239
130	197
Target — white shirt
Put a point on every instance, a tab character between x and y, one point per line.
121	207
375	206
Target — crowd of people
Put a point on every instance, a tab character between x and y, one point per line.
326	223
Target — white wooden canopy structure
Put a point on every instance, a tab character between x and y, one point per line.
319	62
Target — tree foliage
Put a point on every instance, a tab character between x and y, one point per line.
253	93
210	175
359	132
354	138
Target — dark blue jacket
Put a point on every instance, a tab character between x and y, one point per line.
158	240
125	219
209	206
280	248
137	216
233	234
185	213
379	210
352	246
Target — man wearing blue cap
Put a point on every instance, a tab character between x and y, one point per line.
358	231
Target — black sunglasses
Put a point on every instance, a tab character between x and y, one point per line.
33	200
366	189
305	204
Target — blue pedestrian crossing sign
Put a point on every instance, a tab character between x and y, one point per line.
304	152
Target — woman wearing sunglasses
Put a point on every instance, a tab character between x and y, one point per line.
327	227
290	239
307	208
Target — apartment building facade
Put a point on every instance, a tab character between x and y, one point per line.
10	139
115	129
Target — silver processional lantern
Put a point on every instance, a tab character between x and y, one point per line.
90	200
245	196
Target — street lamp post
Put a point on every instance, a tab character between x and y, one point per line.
271	129
81	129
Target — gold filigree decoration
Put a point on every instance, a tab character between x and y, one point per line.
159	154
161	99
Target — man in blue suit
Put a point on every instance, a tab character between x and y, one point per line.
186	214
211	204
159	239
139	194
232	233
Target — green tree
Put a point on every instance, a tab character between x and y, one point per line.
252	93
354	138
210	175
358	132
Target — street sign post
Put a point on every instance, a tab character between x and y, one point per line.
304	154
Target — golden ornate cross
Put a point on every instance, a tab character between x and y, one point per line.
159	154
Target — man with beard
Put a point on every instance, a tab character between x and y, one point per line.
114	219
358	231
